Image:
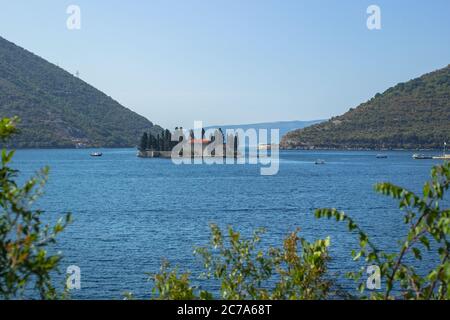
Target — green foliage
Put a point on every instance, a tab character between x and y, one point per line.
161	141
236	263
24	259
7	128
303	277
144	142
58	109
429	228
245	272
168	285
410	115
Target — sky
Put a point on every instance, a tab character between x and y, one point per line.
235	61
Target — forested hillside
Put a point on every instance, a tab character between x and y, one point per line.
58	109
410	115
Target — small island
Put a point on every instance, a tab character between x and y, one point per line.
162	145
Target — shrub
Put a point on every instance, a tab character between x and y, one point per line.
428	229
245	272
24	239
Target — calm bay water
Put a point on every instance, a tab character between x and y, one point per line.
130	213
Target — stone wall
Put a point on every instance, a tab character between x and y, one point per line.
154	154
168	154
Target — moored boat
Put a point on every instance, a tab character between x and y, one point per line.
443	157
96	154
320	161
418	156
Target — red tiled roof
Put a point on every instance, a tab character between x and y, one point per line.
199	141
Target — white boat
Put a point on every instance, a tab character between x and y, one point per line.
444	155
96	154
320	161
418	156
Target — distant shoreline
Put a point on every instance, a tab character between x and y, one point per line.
360	149
65	148
281	149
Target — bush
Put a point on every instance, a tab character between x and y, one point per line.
245	272
24	260
429	228
299	269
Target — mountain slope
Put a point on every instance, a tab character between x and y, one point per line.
410	115
59	110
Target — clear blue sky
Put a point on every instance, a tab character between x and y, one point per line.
235	61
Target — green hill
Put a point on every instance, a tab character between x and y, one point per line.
410	115
58	109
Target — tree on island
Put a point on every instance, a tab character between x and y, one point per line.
236	144
162	142
223	135
151	142
168	145
158	142
144	142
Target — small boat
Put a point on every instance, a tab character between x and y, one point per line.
96	154
381	156
444	155
421	157
320	161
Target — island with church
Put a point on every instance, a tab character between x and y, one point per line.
162	145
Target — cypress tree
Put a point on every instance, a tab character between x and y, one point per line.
223	135
151	142
168	140
161	142
158	143
144	142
